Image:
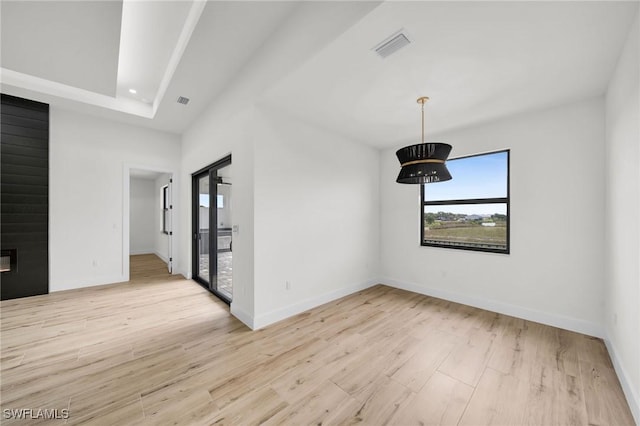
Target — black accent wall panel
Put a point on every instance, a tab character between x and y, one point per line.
24	204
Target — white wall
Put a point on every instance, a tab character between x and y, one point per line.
142	216
306	204
213	136
88	156
622	279
316	216
555	270
226	127
161	240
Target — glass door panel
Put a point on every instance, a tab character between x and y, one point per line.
202	226
224	243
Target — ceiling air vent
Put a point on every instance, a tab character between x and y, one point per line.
182	100
392	44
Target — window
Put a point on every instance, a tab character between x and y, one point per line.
470	211
165	209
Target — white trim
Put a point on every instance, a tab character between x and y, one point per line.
126	238
268	318
53	88
243	316
126	198
560	321
165	259
633	399
143	251
181	45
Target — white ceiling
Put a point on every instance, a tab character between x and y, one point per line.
73	43
227	36
167	49
476	60
150	32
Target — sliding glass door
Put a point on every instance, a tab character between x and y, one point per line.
224	243
212	236
202	228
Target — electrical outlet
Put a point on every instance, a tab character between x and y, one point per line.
287	285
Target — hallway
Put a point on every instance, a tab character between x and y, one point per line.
147	268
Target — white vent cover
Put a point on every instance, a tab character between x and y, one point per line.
182	100
392	44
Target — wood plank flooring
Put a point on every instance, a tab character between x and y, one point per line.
168	352
149	267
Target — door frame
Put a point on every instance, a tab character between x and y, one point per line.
210	170
126	226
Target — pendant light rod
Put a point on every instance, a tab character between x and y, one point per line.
423	162
422	100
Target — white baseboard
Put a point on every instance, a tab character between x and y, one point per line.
143	251
241	315
86	282
560	321
633	399
304	305
165	259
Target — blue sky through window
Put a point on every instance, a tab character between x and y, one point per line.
482	176
204	200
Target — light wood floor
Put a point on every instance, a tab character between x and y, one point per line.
147	268
169	352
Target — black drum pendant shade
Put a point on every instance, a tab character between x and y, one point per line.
423	162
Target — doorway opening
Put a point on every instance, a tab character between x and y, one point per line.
212	228
150	225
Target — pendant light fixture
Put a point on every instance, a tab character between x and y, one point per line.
423	162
